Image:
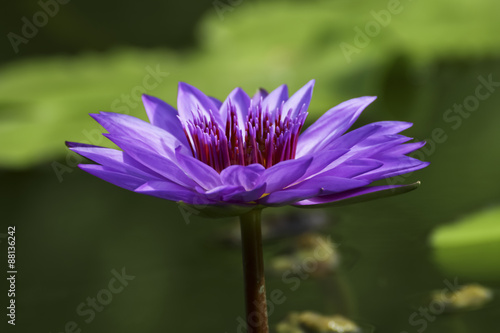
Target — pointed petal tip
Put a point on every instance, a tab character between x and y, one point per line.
148	98
262	91
143	188
370	98
311	82
73	145
186	86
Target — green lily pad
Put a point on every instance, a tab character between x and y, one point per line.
470	247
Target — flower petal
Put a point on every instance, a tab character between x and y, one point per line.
311	188
321	160
275	99
246	176
332	124
240	101
405	149
216	102
356	195
191	102
285	173
246	196
287	197
171	191
372	152
201	173
299	101
260	95
394	166
115	160
353	168
164	116
152	160
137	129
217	193
123	180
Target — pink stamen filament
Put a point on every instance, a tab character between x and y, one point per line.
268	139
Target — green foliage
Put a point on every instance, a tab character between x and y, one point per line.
471	247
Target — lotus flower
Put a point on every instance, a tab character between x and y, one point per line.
248	152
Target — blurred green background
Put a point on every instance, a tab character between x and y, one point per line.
433	63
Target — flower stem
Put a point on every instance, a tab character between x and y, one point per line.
253	270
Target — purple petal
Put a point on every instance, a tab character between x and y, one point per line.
394	166
353	168
332	124
286	197
299	101
137	129
378	147
311	188
171	191
217	193
125	181
152	160
406	148
246	196
275	99
260	95
321	160
233	194
371	137
246	176
371	152
241	102
285	173
201	173
329	184
356	195
191	102
216	102
164	116
115	160
71	144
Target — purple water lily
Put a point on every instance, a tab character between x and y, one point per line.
248	152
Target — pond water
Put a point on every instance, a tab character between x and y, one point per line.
182	275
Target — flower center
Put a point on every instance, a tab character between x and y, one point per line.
265	137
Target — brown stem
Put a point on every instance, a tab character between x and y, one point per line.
253	270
